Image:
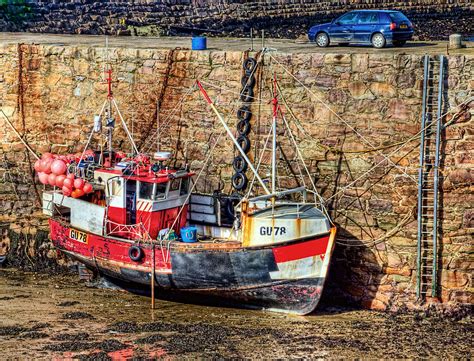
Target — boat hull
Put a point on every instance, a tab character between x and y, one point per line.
287	278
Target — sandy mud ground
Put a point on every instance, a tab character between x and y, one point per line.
58	317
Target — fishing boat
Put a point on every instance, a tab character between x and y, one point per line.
134	218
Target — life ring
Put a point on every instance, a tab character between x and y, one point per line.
244	143
244	113
246	95
239	181
239	164
136	253
247	80
243	127
249	66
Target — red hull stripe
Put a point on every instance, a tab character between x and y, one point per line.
301	250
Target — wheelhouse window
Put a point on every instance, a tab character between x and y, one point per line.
115	187
160	191
146	191
152	191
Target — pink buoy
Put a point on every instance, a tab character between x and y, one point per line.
58	167
66	191
47	165
46	156
69	183
38	165
79	192
87	188
43	177
71	176
52	179
60	180
78	183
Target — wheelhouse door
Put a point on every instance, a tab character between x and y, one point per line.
131	201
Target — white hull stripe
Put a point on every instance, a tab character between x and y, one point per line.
309	267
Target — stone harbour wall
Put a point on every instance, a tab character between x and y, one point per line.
432	18
349	112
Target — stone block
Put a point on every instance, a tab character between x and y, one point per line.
383	90
337	59
454	279
461	176
359	62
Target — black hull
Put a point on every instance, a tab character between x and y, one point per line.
289	296
286	277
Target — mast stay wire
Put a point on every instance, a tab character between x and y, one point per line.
417	135
340	118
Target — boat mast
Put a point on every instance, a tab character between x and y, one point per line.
274	142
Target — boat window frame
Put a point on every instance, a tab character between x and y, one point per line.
153	196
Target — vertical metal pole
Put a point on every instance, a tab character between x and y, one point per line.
153	276
251	39
420	177
436	171
274	156
274	125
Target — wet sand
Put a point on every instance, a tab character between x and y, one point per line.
58	317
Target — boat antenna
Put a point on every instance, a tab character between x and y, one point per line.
112	103
157	125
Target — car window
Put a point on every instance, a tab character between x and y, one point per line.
367	18
397	16
347	19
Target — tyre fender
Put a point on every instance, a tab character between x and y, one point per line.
239	164
249	66
239	181
246	95
244	143
136	253
243	127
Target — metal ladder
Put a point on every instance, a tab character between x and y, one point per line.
428	177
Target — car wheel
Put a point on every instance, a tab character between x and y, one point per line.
322	39
378	40
399	42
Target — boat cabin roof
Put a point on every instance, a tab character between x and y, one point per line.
144	175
